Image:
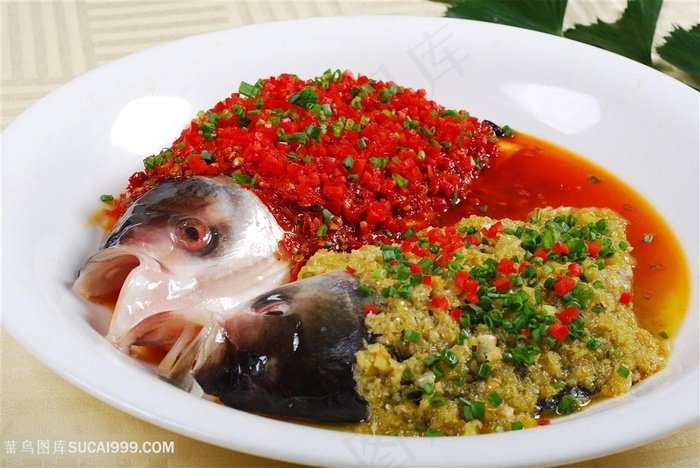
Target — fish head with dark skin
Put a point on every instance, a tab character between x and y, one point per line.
184	250
289	352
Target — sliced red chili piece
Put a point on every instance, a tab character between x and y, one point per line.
575	269
558	331
593	248
564	285
506	266
502	284
567	315
492	230
626	297
439	302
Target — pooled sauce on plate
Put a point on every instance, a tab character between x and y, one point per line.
532	173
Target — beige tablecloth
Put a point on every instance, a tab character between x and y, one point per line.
47	43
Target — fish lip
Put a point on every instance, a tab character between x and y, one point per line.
102	279
190	352
103	275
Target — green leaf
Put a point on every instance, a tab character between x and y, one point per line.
631	35
539	15
682	49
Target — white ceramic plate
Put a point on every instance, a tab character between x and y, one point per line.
86	138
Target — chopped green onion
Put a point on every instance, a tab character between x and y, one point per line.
449	358
567	405
356	102
411	335
473	410
484	371
314	131
248	90
495	399
623	372
410	232
400	180
389	291
348	162
106	198
593	344
305	97
437	401
379	162
240	178
327	215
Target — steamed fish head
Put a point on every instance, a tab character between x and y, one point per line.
184	250
289	352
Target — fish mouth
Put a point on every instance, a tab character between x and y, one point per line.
104	274
151	306
194	348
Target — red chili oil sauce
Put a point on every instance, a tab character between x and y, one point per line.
532	173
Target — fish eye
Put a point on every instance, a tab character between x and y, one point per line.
273	305
194	236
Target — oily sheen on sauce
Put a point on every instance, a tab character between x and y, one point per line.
532	173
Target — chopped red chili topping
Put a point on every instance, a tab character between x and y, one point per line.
593	247
473	239
522	266
502	284
439	302
371	309
492	230
567	315
564	285
506	266
560	248
379	162
575	269
558	331
626	297
542	253
461	278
